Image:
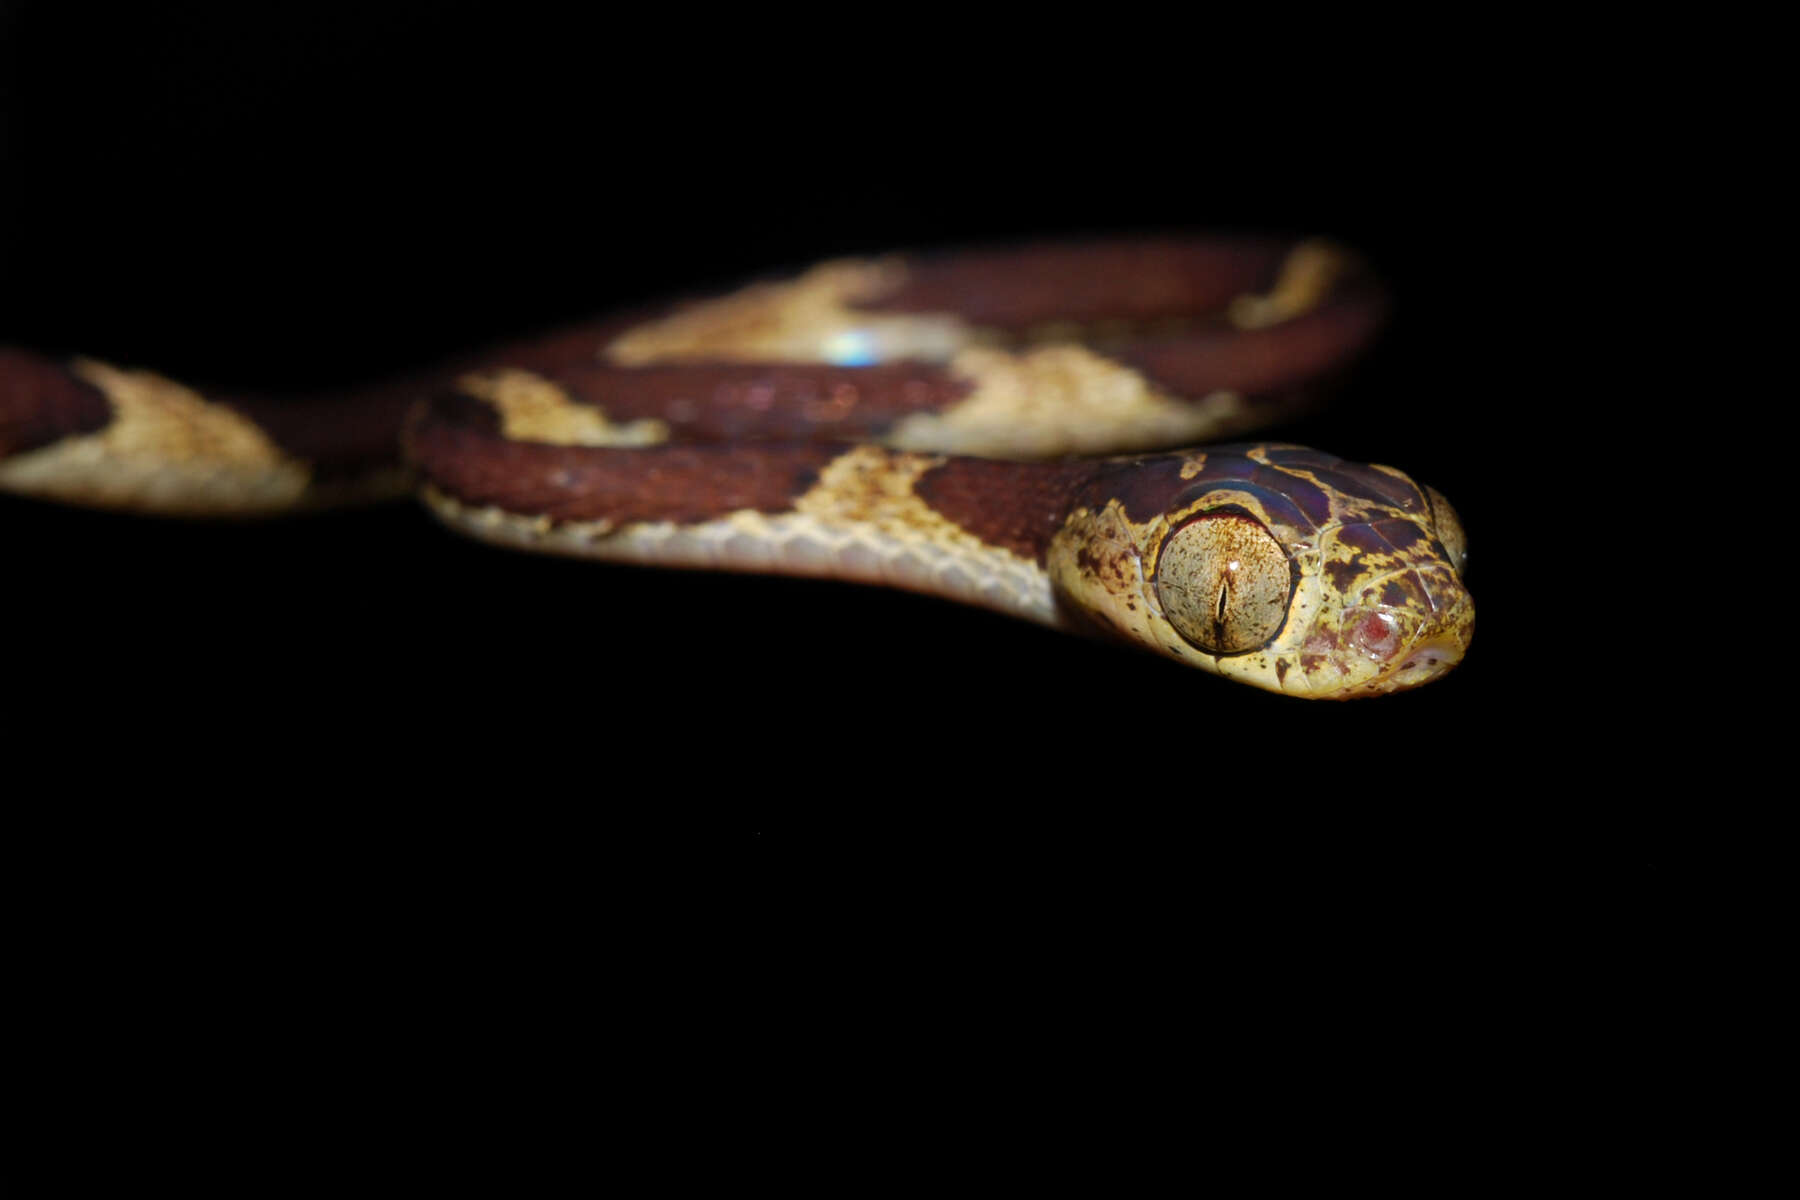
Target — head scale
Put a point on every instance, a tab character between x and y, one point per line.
1280	566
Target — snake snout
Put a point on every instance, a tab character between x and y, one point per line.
1441	640
1374	647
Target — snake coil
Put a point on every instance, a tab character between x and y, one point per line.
987	427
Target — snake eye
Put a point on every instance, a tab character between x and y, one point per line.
1224	582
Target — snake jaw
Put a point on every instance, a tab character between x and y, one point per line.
1427	659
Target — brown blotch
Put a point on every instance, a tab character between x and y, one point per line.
1112	571
1343	574
354	430
1261	361
1408	590
456	443
1019	506
341	434
1140	280
801	401
42	402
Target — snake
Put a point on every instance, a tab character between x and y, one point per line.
1031	429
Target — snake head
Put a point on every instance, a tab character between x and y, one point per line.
1280	566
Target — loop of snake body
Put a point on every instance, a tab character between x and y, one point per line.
974	425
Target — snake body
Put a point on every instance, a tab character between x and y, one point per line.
977	426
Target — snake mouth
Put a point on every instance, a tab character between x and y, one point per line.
1425	660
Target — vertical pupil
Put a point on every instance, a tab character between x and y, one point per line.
1223	581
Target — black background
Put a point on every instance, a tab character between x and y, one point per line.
297	199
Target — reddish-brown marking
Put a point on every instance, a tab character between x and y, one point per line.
345	432
1016	505
455	441
41	402
1172	282
340	434
1261	361
785	402
1130	281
